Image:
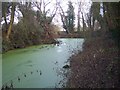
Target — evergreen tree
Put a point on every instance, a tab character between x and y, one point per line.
70	17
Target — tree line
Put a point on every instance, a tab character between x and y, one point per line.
36	26
33	27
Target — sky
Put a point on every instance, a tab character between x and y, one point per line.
64	4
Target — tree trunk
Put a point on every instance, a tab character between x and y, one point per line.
5	20
78	23
11	21
83	22
4	11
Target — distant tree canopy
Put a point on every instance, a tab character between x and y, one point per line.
29	16
70	17
33	26
68	20
5	11
107	15
41	19
112	14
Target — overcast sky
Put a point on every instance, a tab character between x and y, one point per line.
64	4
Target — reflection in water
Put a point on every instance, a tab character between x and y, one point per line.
39	66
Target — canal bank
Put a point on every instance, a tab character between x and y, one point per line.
97	66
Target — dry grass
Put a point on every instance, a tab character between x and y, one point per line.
97	66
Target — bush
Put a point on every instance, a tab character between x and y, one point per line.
116	35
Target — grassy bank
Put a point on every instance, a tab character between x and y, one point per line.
97	66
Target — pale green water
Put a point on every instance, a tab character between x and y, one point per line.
17	62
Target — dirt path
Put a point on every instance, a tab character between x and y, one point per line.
97	66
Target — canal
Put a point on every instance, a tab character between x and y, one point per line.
38	66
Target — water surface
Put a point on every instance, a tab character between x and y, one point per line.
38	66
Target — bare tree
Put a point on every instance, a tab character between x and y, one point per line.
83	21
43	12
11	20
68	19
79	11
89	19
44	17
63	18
82	15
